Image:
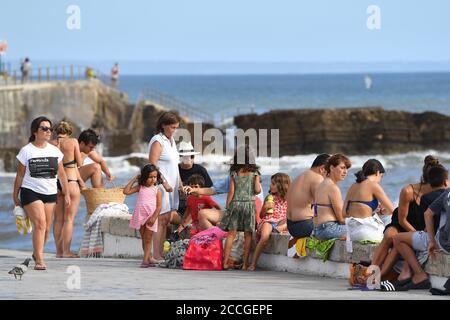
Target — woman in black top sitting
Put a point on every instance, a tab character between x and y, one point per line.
407	217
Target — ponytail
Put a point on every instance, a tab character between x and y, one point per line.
360	176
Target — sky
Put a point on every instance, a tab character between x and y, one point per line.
254	32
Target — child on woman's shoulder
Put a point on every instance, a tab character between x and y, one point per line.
147	208
273	214
194	203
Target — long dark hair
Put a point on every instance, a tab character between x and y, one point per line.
429	162
167	118
145	173
370	167
248	165
35	124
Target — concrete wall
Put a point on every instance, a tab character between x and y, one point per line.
120	241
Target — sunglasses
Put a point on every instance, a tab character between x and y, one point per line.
192	157
45	129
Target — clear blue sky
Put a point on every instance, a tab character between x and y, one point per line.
231	30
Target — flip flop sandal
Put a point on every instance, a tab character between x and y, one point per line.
144	265
401	282
423	285
40	267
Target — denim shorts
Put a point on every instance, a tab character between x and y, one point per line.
420	241
330	230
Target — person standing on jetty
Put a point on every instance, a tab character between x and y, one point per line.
115	75
329	223
163	153
65	216
300	197
39	164
25	69
88	140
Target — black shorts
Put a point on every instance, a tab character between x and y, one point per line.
28	196
300	229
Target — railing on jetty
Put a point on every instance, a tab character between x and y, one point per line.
218	119
194	114
51	73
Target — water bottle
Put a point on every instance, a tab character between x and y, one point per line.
269	200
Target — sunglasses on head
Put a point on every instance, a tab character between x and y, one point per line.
45	129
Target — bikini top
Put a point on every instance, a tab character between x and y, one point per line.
372	204
315	205
70	164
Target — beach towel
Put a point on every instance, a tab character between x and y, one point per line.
297	247
92	244
322	247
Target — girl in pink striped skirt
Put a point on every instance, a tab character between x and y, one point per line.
147	208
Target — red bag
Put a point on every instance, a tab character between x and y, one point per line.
204	254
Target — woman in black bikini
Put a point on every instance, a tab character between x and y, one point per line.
65	215
407	217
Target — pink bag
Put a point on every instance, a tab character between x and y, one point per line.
205	250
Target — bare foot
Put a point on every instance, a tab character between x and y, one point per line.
251	268
70	255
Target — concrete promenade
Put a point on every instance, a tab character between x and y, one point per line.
123	279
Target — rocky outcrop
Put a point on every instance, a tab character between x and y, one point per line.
86	104
123	127
353	130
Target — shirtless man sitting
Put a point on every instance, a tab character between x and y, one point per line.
88	140
300	197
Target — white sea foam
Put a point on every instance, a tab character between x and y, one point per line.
220	163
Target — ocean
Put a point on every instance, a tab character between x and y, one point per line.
414	92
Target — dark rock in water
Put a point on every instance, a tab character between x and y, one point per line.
137	161
352	130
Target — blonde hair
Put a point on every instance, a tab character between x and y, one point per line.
64	128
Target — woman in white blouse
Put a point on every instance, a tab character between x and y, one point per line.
164	154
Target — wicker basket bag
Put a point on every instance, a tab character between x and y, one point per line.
97	196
